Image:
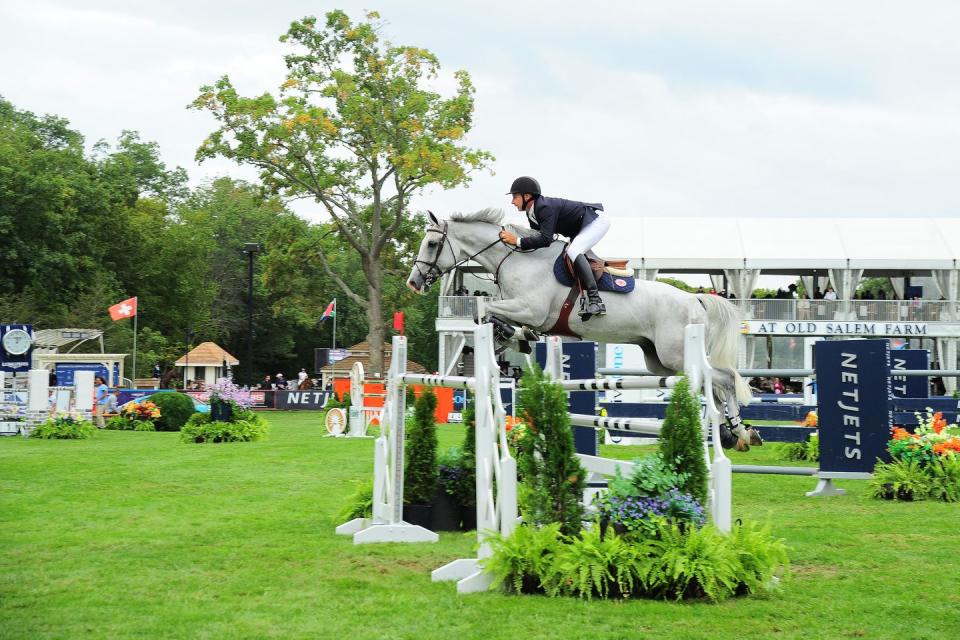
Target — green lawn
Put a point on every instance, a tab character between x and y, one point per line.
134	534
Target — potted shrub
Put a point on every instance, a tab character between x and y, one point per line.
420	469
446	508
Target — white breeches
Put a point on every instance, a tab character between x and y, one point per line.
588	237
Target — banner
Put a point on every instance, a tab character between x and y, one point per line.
579	362
854	410
309	399
909	386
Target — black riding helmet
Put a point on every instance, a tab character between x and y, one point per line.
523	185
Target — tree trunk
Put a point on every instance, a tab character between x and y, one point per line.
375	324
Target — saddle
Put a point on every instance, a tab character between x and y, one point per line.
611	275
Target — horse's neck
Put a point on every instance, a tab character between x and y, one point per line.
475	243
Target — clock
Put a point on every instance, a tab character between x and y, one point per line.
16	342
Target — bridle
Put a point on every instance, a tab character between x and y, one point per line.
434	272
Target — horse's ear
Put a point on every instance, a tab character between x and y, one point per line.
433	218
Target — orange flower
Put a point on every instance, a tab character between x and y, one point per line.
899	433
938	423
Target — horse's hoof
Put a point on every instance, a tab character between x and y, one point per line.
755	438
742	445
727	438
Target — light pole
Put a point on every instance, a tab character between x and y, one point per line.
251	249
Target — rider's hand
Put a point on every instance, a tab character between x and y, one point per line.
508	237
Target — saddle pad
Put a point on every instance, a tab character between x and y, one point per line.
607	282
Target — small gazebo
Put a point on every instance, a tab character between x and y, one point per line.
206	363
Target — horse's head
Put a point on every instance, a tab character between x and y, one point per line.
437	256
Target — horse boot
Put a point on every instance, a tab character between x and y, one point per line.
594	305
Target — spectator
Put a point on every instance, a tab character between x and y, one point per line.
156	370
803	308
280	382
100	394
52	378
302	377
830	294
777	386
265	384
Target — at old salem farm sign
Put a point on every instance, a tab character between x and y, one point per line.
848	328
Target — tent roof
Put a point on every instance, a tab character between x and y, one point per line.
207	354
692	244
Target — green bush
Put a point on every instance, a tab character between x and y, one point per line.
64	427
808	450
468	457
119	423
553	479
904	479
678	563
247	426
420	468
359	504
175	410
522	561
681	441
944	477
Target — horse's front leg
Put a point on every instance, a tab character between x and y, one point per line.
518	312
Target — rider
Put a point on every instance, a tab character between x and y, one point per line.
579	221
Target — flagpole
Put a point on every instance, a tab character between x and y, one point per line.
134	378
334	345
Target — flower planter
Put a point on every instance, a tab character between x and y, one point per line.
418	514
468	517
446	512
221	411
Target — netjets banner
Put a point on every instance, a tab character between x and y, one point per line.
849	328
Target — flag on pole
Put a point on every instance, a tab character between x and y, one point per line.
125	309
331	311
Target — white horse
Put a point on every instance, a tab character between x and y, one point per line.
652	316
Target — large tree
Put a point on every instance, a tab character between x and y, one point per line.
356	128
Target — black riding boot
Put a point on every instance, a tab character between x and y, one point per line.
594	305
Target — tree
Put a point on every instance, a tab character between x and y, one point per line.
681	441
553	479
355	129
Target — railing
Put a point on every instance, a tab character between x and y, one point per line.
461	306
864	310
781	309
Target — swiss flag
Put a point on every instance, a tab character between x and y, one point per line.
125	309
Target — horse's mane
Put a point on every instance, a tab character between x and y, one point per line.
492	215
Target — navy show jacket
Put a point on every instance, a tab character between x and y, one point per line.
551	216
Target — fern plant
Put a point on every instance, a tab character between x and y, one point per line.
943	475
359	504
694	563
902	479
520	562
600	565
762	559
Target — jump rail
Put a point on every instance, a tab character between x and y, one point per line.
496	484
698	370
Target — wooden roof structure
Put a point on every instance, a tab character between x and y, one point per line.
207	354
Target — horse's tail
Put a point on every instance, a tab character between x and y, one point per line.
723	338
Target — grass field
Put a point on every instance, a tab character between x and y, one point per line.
134	534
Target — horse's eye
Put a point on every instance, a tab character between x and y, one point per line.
431	243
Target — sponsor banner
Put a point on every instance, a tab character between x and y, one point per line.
579	362
849	328
309	399
854	409
912	386
66	370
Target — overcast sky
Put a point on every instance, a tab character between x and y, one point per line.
735	108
